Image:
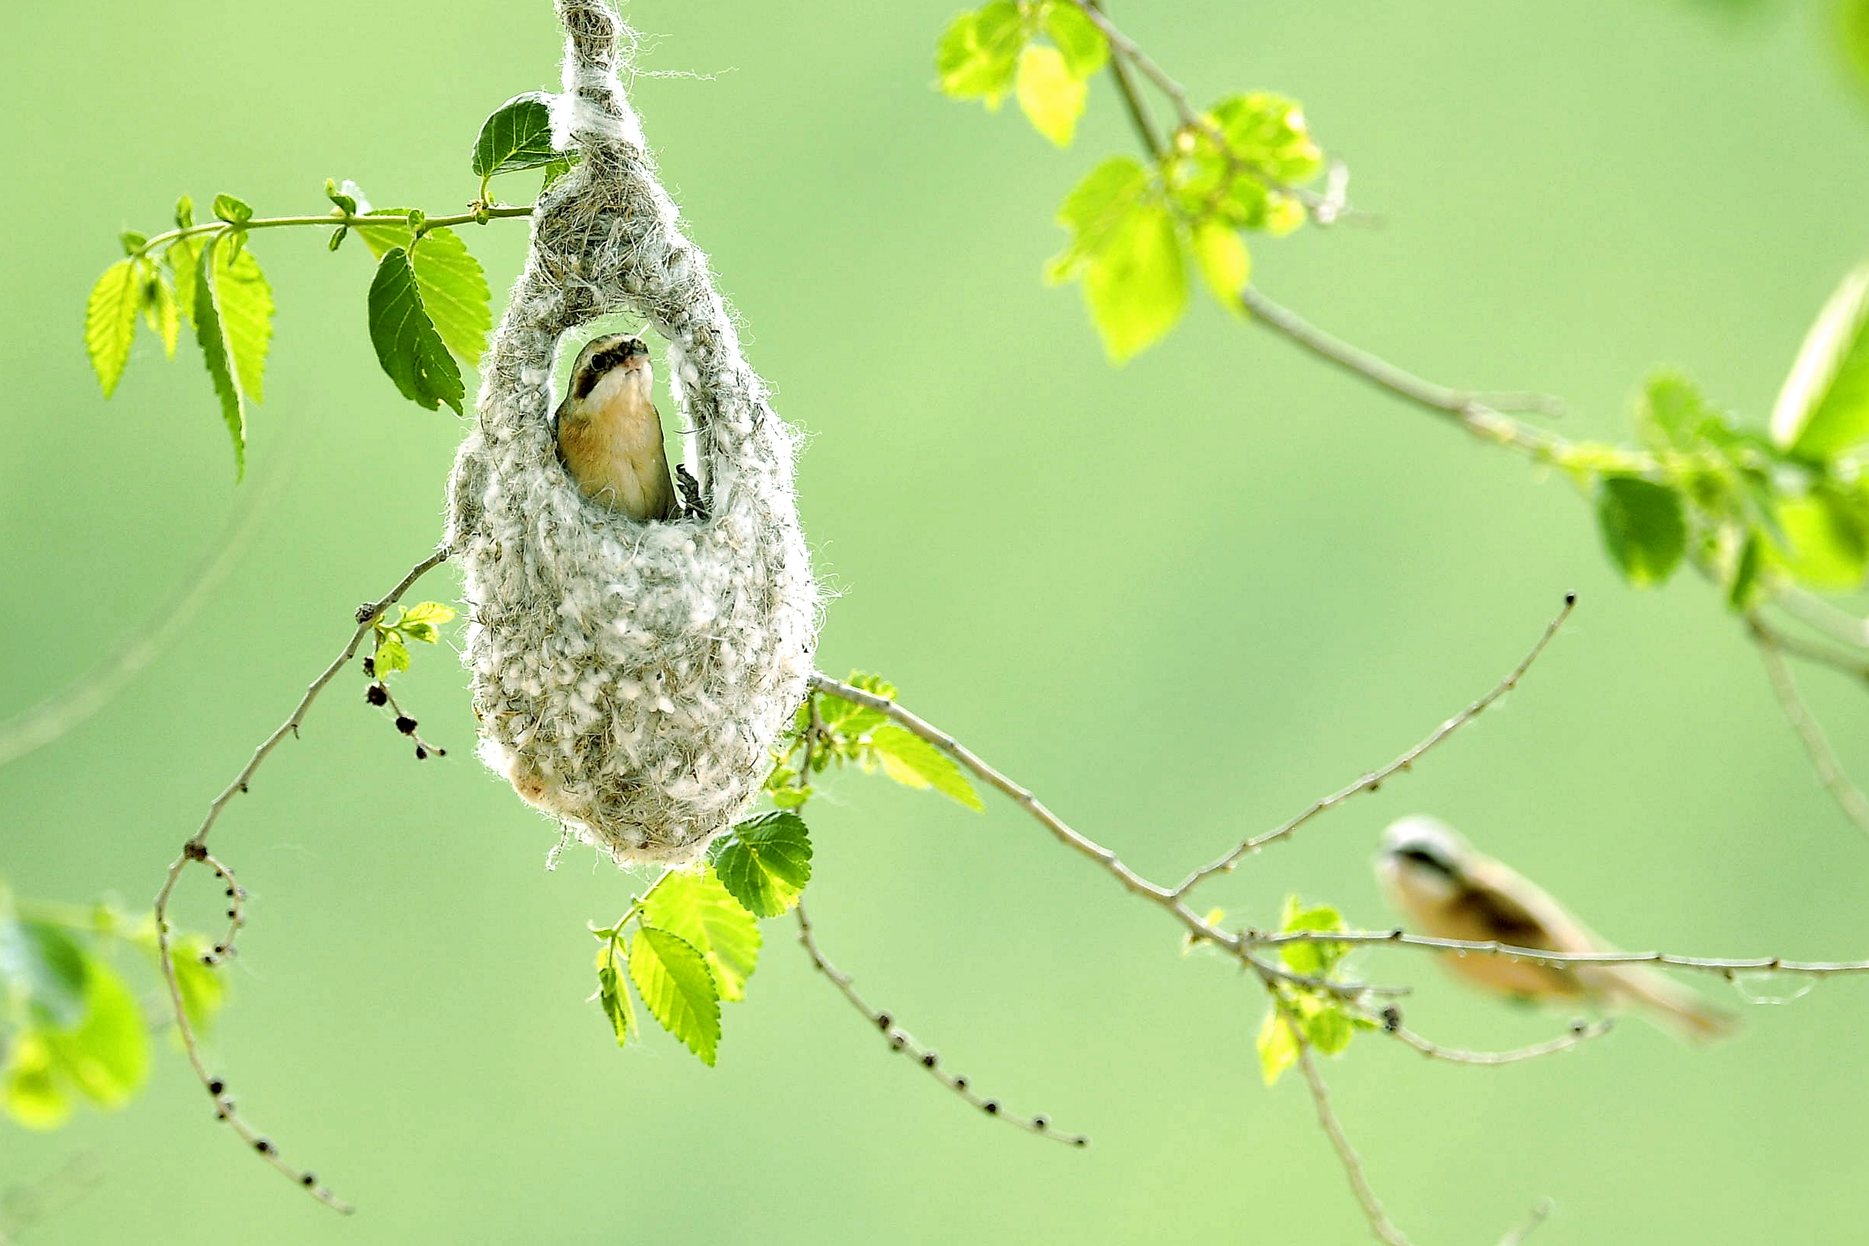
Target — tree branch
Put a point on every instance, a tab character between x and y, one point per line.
195	850
1830	771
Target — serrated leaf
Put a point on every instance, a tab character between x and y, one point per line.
430	612
1084	47
1278	1046
1224	262
391	656
452	283
518	135
766	862
1644	527
1823	407
612	995
214	355
233	211
181	257
677	989
43	968
1051	97
245	304
979	54
914	762
1136	285
409	349
157	300
110	322
701	910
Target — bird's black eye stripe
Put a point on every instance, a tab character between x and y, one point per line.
1421	856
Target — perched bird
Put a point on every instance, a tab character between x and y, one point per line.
1451	891
609	433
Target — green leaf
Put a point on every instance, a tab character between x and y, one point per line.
181	257
1743	592
157	300
1828	533
979	54
32	1095
1051	97
110	322
1093	210
1136	285
203	991
1328	1028
1644	527
1278	1046
702	911
107	1054
1312	959
517	136
45	969
214	355
1225	263
233	211
391	656
407	346
452	284
1853	34
1268	132
132	241
185	212
431	613
1823	407
557	169
1085	49
677	988
245	304
914	762
612	995
766	862
1672	412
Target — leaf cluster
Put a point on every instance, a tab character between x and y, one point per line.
71	1029
829	730
1304	1016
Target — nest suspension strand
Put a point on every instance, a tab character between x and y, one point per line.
629	677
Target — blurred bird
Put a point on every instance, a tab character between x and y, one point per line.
1450	891
610	434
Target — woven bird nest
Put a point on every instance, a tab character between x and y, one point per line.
629	677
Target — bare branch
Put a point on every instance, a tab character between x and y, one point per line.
1843	661
1830	771
195	850
900	1040
1721	967
1370	782
1580	1034
1824	617
1379	1221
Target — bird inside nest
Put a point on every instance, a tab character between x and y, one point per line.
610	434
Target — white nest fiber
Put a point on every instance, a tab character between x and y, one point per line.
629	678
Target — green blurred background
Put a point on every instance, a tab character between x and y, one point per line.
1179	600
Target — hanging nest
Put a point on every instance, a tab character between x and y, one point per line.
630	678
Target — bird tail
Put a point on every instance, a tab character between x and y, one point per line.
1674	1006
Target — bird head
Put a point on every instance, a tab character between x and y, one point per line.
1422	853
613	352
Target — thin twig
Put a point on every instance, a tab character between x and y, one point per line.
1379	1221
900	1040
1370	782
1830	771
1722	967
1580	1034
1792	645
196	850
1197	926
1478	416
1540	1213
1826	618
